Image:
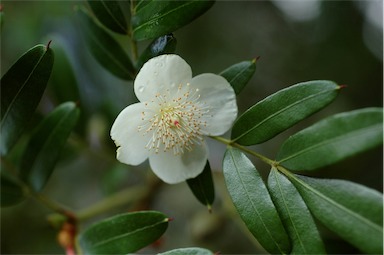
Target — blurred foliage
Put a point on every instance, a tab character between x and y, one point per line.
331	45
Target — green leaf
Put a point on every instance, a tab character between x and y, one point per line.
162	45
295	215
105	48
333	139
202	187
22	87
238	75
188	251
282	110
253	202
45	144
123	233
351	210
156	18
109	13
11	191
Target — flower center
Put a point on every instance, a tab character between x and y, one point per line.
174	120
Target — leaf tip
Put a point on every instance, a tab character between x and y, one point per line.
49	44
342	86
209	206
255	59
168	219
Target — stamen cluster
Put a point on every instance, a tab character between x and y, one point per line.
174	121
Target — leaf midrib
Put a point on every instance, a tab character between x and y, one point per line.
331	140
21	88
106	241
338	205
280	111
113	17
288	211
152	20
253	206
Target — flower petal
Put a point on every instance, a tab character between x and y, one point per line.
178	168
159	74
131	143
216	92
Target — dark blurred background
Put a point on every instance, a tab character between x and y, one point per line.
296	41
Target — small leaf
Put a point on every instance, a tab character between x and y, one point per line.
156	18
295	215
162	45
109	14
333	139
105	48
123	233
46	142
22	87
11	191
202	187
282	110
238	75
351	210
188	251
253	202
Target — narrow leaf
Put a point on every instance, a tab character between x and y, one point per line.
238	75
46	142
253	202
282	110
105	48
123	233
109	13
333	139
351	210
188	251
11	191
22	87
295	215
202	187
162	45
156	18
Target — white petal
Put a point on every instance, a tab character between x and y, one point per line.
131	143
159	74
178	168
218	94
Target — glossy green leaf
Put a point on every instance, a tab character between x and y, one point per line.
123	233
11	191
109	13
333	139
46	142
63	82
152	19
188	251
351	210
253	202
282	110
202	187
105	48
22	87
238	75
295	215
162	45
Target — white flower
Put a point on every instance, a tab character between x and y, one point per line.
175	112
